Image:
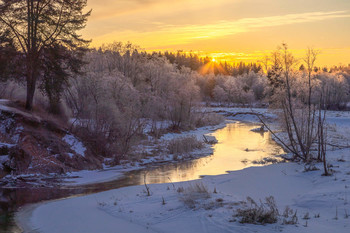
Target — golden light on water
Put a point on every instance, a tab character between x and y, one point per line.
238	147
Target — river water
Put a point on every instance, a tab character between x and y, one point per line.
238	147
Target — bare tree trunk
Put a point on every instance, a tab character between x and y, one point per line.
30	94
31	81
32	52
288	61
321	138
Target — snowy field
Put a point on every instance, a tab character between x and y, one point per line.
316	203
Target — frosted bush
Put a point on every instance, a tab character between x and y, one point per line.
194	194
184	145
254	213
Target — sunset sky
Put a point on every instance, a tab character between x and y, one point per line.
239	30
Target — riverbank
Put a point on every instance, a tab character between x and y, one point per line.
26	189
152	152
319	203
130	208
35	151
151	157
113	172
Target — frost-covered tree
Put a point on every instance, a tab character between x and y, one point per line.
112	102
241	89
300	103
336	90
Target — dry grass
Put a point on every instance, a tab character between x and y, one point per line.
193	194
290	216
259	214
205	119
184	145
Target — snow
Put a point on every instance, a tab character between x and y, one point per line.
85	177
131	209
8	145
3	159
199	132
4	101
210	139
247	117
111	173
5	108
324	198
16	135
70	155
151	125
88	212
6	125
75	144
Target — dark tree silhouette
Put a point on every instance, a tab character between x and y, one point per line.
57	64
36	25
9	58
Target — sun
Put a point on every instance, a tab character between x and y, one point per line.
211	67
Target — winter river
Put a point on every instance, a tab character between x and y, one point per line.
237	148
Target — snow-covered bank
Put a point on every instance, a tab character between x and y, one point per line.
202	134
321	203
34	146
131	210
149	155
111	173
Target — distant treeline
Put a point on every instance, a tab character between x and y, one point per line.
195	63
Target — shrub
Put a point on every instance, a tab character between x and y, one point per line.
183	145
194	193
205	119
259	214
289	216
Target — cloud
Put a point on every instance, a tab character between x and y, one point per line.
225	28
168	35
112	8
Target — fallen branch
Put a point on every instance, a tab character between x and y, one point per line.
280	140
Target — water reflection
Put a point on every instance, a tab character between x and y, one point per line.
237	148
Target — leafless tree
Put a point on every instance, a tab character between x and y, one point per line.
298	116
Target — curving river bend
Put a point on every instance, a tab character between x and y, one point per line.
238	147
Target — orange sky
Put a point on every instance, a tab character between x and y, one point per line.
239	30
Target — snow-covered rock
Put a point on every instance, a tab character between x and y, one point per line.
210	139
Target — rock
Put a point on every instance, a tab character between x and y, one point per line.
259	130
